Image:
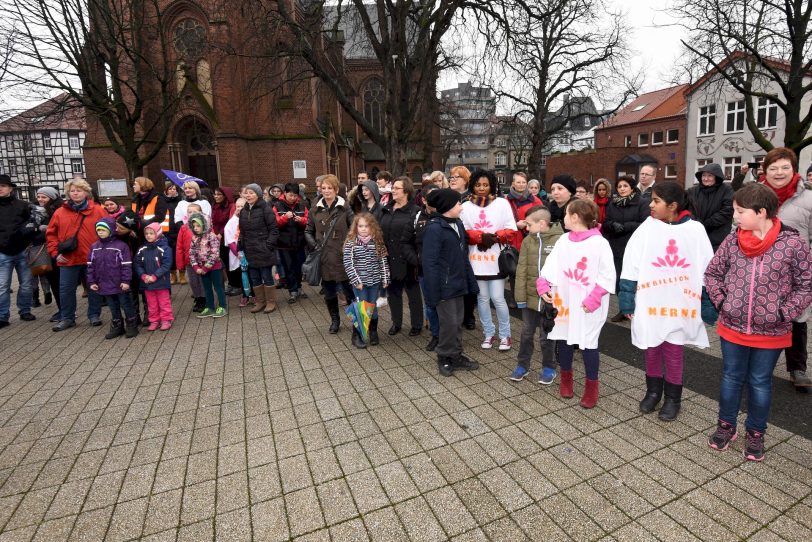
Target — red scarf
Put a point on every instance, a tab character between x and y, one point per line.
752	246
601	203
787	191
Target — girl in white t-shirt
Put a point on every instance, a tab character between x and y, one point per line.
661	292
576	278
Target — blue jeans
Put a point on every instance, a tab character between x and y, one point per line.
753	367
431	314
124	301
24	299
369	293
69	277
493	290
261	276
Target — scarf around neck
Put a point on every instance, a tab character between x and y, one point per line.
78	207
623	202
787	191
752	246
482	201
364	239
601	203
519	196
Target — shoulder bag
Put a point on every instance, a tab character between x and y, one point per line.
311	268
38	260
71	243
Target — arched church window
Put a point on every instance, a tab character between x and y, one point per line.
373	96
189	39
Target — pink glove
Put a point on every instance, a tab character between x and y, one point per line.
593	300
542	286
233	248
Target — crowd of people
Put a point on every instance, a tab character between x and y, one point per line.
459	249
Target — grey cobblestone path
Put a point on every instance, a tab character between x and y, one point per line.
265	427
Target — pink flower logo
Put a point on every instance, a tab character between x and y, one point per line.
483	223
672	258
579	273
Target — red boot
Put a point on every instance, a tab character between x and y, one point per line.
565	384
590	398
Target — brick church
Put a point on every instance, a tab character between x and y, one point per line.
241	119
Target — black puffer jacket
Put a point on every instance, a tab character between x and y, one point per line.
332	255
421	223
712	205
398	232
291	232
634	213
259	234
14	214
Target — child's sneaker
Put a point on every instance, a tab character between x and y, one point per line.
488	342
243	301
547	376
754	447
166	326
153	326
220	312
505	344
724	435
205	313
519	373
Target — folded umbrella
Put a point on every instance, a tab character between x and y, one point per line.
360	313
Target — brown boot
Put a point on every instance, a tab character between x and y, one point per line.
172	279
182	276
270	298
259	306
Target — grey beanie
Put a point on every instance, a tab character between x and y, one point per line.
49	192
255	188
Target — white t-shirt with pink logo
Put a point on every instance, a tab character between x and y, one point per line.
573	268
498	215
668	263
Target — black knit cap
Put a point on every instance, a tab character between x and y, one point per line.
566	181
443	200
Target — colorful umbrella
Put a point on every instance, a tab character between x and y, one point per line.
246	282
360	313
179	178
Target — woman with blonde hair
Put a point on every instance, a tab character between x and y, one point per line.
191	194
70	233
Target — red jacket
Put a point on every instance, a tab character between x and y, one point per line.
182	247
520	209
65	224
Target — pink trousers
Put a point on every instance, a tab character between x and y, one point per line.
159	303
669	355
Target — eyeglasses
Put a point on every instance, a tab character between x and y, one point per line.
454	177
397	188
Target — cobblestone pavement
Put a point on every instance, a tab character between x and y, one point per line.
265	427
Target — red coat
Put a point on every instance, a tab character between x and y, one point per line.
65	224
182	247
519	213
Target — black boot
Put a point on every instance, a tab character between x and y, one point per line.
48	298
357	341
35	299
445	365
671	405
200	304
373	332
116	329
464	363
654	392
332	308
145	318
131	327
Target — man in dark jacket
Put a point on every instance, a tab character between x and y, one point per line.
448	277
711	203
291	219
14	238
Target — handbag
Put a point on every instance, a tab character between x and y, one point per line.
508	260
311	268
38	260
71	243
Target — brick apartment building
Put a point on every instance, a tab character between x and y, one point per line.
651	130
227	133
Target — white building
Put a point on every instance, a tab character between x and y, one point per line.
717	130
466	125
43	146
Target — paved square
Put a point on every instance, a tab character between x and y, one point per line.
266	427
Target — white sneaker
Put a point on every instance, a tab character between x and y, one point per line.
488	343
505	344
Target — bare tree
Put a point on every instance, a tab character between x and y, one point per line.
111	57
762	49
574	48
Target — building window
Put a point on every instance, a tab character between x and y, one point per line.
77	165
12	167
707	120
73	142
656	138
642	140
27	142
732	166
49	166
670	171
373	95
702	162
766	113
543	160
29	166
46	141
672	136
500	142
501	159
3	143
734	119
627	141
189	39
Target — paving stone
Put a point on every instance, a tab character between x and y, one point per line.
367	491
450	511
663	527
163	512
269	520
304	512
55	529
384	525
92	525
479	501
32	508
233	526
128	520
570	518
349	531
336	501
